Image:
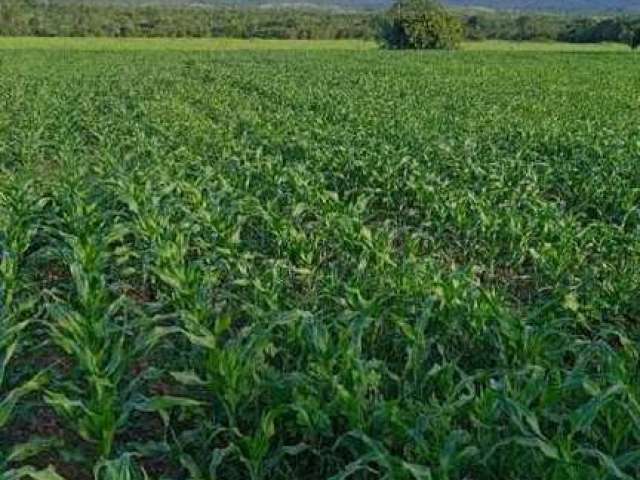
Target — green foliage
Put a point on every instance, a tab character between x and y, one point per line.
19	17
229	265
97	19
631	33
421	25
595	30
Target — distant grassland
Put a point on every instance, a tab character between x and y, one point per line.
183	44
275	260
502	45
215	44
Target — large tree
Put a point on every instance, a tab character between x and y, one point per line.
420	24
631	34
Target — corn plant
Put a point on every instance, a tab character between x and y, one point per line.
98	329
18	227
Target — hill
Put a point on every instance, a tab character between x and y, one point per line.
521	5
553	5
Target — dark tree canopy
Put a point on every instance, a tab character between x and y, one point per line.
631	35
420	24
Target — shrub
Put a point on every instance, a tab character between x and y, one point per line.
420	24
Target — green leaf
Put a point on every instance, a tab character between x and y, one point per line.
608	463
188	378
24	451
9	402
167	402
222	324
121	468
30	472
571	302
418	472
549	450
217	457
191	466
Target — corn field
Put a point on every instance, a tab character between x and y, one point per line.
319	265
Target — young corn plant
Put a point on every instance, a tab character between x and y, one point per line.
100	330
20	211
226	367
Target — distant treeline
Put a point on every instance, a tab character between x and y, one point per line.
531	26
34	18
